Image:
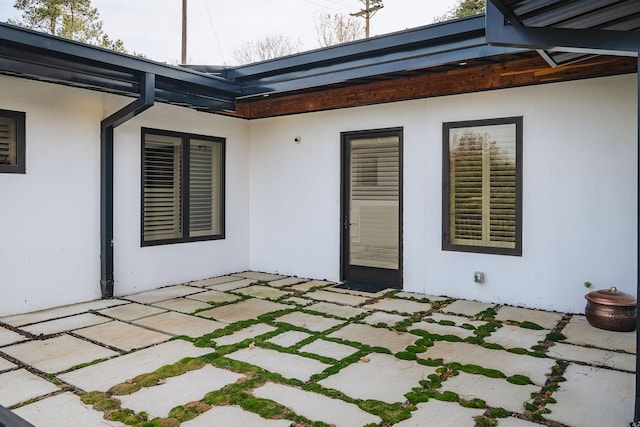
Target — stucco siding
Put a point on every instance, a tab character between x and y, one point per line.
579	192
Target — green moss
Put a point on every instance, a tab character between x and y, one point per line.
473	340
479	370
519	380
493	346
124	388
474	403
390	413
416	349
189	411
531	325
406	355
447	396
468	326
556	336
127	416
483	421
447	322
518	350
431	362
499	413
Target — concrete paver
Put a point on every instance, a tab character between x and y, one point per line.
509	336
287	281
215	281
158	400
366	294
180	324
330	349
65	324
57	312
243	310
57	354
298	301
232	416
579	331
183	305
213	297
380	317
458	320
243	334
311	322
230	286
132	311
162	294
257	275
21	385
608	390
468	308
307	286
122	335
289	338
316	406
413	295
497	392
546	319
375	337
9	337
436	413
508	363
593	356
438	329
75	413
337	310
5	365
285	364
337	297
399	305
260	291
104	375
609	395
382	377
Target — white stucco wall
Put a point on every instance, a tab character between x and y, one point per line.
579	195
142	268
49	217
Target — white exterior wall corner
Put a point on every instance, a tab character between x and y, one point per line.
50	216
579	192
140	268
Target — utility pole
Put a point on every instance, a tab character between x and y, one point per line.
370	8
184	32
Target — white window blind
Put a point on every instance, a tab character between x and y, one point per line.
162	216
483	187
7	141
204	188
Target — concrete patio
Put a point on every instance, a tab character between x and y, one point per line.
256	349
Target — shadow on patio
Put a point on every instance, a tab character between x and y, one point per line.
255	349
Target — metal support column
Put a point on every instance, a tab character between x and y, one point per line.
146	100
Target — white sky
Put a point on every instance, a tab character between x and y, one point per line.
218	27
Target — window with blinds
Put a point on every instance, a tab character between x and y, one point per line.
12	142
482	191
183	186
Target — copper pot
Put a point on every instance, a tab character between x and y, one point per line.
611	309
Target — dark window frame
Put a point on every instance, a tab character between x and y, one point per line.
20	118
446	243
184	186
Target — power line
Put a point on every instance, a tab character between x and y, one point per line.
370	8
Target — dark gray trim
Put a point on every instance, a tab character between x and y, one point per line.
184	146
9	419
20	166
368	275
107	126
446	244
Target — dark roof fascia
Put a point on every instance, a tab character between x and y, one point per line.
31	54
412	49
505	28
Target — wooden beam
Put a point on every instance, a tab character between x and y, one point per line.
438	81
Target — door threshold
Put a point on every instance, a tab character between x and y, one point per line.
362	287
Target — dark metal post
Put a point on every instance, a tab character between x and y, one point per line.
184	31
636	417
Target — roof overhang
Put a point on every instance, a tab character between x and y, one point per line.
566	31
39	56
